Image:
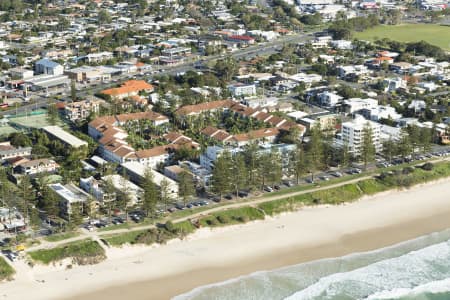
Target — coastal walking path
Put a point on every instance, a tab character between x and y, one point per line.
96	235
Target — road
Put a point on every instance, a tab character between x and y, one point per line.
268	48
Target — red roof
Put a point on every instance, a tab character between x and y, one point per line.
241	37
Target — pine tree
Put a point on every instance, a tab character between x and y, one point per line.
26	192
164	193
315	150
238	173
150	197
52	114
367	148
221	174
186	185
298	165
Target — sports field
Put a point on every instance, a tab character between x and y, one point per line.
438	35
36	121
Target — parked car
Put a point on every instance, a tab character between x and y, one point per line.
242	194
336	174
277	187
228	196
325	178
216	199
268	189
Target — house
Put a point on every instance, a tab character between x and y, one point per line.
392	84
37	166
400	67
82	109
417	105
352	134
352	71
48	67
8	151
64	137
70	195
128	88
326	121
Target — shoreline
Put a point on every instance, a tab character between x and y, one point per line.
211	256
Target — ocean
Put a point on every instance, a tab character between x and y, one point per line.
415	269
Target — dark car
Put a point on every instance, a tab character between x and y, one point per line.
228	196
216	199
242	194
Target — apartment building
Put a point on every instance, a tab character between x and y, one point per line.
352	134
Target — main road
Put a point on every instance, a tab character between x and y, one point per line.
42	100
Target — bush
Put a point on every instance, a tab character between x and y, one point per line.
223	219
169	226
428	166
408	170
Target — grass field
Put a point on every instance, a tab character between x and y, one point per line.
6	271
61	236
6	130
434	34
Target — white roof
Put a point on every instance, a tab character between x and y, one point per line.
140	169
64	136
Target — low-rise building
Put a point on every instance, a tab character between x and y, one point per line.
136	171
37	166
82	109
8	151
48	67
70	196
128	89
63	136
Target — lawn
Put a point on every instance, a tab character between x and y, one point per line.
61	236
438	35
6	271
82	252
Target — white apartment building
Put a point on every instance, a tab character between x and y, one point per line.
353	134
357	104
329	99
240	89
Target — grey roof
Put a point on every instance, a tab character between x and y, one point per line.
47	63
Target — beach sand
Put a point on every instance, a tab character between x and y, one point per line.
210	256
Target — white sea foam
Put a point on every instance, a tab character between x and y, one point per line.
434	287
397	268
407	271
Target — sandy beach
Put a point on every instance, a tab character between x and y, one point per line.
210	256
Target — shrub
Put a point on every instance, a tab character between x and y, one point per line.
169	226
428	166
223	219
408	170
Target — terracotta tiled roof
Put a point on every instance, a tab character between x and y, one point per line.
256	134
155	151
130	86
202	107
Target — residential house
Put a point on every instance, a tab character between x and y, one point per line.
8	151
37	166
356	104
